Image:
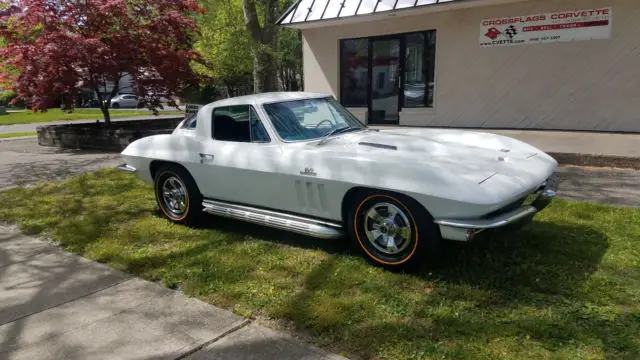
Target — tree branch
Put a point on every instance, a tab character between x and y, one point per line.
116	87
99	95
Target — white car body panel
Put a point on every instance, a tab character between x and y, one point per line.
454	174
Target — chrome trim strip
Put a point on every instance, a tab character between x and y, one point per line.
298	224
125	167
496	222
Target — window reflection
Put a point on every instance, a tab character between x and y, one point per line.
355	72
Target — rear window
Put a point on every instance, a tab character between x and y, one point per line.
190	122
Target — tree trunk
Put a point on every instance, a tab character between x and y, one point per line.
105	113
104	107
263	45
265	72
300	65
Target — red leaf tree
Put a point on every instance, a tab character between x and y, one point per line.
60	47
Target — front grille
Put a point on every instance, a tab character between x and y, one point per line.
514	205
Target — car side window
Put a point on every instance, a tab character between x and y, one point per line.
190	122
258	132
238	123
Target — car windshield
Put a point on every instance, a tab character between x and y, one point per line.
311	119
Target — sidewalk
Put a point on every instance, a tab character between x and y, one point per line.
55	305
9	129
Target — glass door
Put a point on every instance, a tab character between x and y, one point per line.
384	80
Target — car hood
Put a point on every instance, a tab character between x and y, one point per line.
475	156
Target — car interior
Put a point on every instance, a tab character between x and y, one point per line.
228	129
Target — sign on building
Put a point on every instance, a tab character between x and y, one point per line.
191	108
570	25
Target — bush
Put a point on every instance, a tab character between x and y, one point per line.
7	96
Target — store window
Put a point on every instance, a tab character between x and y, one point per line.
355	72
366	68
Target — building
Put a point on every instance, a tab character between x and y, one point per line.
523	64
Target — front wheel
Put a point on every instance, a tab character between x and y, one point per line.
177	195
115	106
394	231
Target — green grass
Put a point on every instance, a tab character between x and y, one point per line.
28	117
18	134
564	287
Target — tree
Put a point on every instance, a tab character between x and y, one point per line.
228	49
60	47
290	60
224	45
264	44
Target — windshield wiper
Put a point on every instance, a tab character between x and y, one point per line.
334	132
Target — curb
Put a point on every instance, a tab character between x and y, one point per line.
19	138
605	161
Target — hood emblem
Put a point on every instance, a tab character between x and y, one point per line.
309	172
503	159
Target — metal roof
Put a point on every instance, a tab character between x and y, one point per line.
304	11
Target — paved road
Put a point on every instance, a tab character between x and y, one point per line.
608	186
24	162
9	129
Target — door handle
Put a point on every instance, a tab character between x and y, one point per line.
204	157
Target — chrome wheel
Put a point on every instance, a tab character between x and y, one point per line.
174	195
387	228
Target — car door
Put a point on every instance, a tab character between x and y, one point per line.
129	101
239	163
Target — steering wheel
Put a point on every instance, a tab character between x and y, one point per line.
325	120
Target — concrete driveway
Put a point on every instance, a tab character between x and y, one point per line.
24	162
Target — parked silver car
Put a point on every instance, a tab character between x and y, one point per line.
125	101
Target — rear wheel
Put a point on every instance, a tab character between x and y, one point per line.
394	231
177	195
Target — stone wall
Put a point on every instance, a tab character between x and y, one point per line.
98	136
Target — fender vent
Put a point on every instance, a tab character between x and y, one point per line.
379	146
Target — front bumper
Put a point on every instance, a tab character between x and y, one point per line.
465	230
125	167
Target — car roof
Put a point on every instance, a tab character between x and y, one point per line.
268	97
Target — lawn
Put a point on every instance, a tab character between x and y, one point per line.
28	117
18	134
565	287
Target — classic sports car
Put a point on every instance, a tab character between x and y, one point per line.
301	162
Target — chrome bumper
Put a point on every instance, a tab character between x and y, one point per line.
125	167
465	230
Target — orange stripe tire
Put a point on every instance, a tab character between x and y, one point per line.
425	237
193	198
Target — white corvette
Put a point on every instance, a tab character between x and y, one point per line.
301	162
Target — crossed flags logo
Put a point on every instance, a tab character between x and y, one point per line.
510	32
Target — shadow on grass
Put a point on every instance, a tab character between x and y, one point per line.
477	296
542	257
